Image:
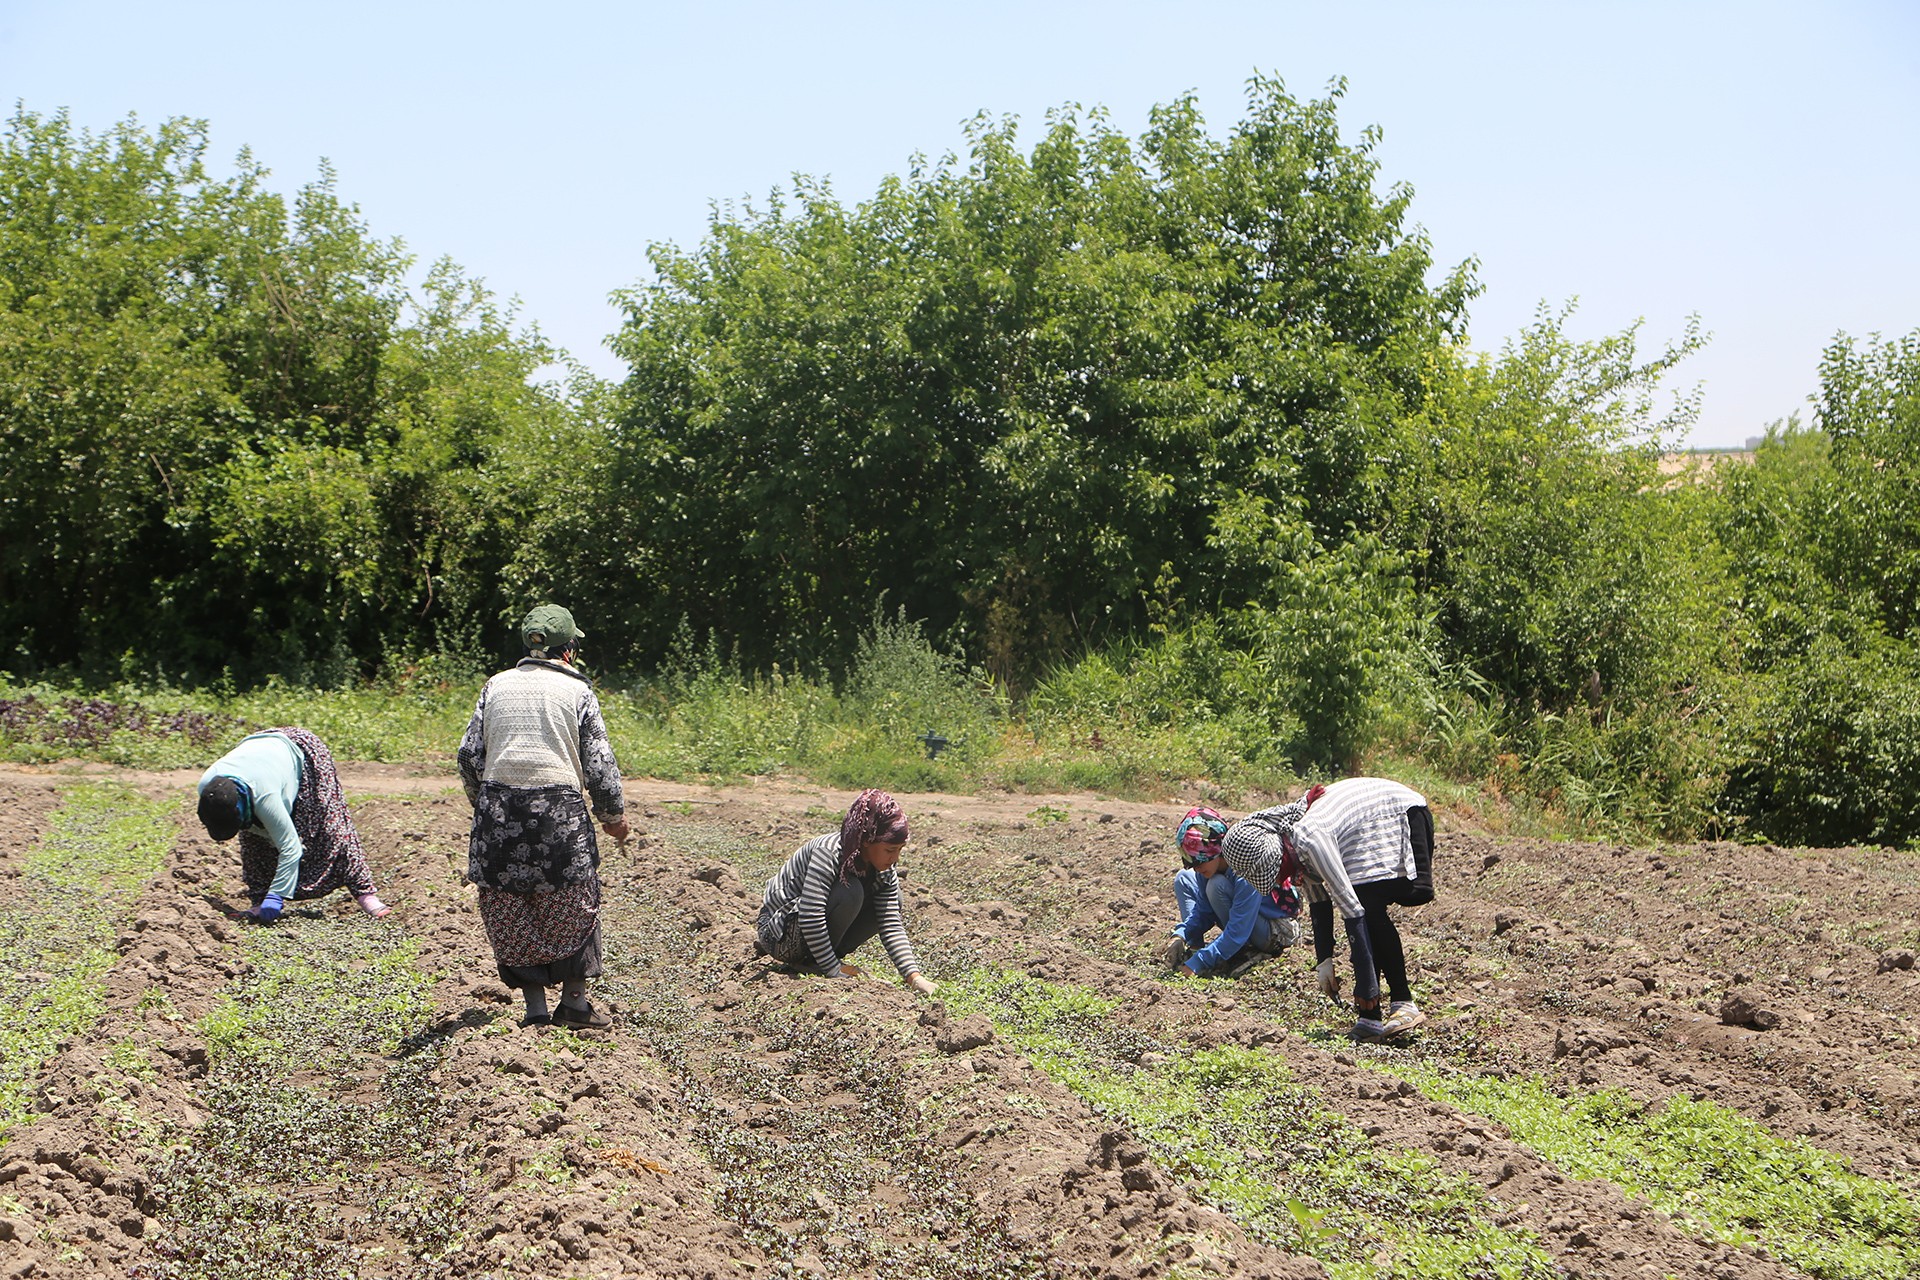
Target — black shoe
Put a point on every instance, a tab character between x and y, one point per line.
542	1020
587	1019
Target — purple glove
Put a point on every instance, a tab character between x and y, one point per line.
269	909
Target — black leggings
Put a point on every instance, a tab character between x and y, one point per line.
1382	939
1388	954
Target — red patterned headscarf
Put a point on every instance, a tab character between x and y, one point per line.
874	816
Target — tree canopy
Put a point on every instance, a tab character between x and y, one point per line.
1183	425
1025	394
230	435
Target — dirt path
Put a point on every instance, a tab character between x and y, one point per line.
742	1122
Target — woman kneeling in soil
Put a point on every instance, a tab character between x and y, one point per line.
279	791
535	742
1363	844
1253	925
840	889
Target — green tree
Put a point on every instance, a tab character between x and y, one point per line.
230	436
1825	529
1560	565
1008	393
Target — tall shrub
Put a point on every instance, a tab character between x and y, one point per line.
1014	394
231	436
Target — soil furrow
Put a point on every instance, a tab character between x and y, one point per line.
744	1121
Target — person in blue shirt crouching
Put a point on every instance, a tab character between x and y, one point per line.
1252	925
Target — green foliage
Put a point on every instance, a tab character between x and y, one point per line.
901	685
1014	394
1834	752
56	937
1235	1127
230	435
1117	461
720	720
1827	531
1711	1169
1870	411
1557	564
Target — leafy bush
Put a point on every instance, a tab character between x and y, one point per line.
900	686
1833	753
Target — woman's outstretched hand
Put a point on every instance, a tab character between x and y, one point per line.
923	984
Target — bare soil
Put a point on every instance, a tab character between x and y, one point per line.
739	1121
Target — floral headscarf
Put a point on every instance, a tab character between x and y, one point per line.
1199	835
875	815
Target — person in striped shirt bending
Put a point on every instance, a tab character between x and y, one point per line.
840	889
1364	845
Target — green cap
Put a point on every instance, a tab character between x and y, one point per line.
549	627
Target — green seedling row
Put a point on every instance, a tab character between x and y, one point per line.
1712	1170
1245	1137
801	1190
56	935
327	1149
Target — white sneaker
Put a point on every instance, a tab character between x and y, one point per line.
1402	1016
1367	1029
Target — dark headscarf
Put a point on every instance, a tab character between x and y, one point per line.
874	816
225	807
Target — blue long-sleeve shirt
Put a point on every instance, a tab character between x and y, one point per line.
271	767
1248	906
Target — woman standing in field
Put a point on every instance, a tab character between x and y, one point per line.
280	793
1363	844
536	741
840	889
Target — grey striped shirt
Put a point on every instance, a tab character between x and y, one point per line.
1356	833
797	898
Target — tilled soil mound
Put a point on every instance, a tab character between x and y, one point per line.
740	1121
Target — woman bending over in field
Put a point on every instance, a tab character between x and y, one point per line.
1252	924
536	741
1363	844
279	791
840	889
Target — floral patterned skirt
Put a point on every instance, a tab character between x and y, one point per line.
544	938
535	860
531	838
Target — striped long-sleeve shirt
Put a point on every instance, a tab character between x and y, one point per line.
1356	833
800	889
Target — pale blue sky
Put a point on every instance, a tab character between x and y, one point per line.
1756	163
